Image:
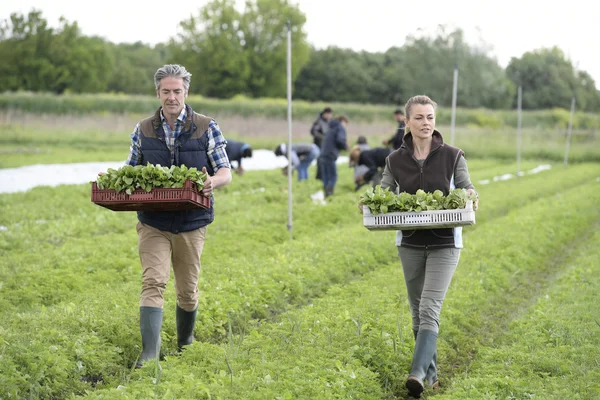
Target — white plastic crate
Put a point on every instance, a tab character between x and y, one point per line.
419	220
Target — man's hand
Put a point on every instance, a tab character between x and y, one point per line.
471	192
385	142
208	184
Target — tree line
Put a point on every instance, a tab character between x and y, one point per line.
232	52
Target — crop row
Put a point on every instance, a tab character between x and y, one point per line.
356	341
70	270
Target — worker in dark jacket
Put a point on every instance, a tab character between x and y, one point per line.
373	162
335	140
397	140
321	126
236	151
302	156
318	130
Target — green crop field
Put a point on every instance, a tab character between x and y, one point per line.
322	316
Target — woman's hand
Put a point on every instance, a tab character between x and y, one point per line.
472	192
360	206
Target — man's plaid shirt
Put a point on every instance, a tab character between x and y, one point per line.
217	155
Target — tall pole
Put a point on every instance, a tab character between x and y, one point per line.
289	115
569	129
519	117
454	93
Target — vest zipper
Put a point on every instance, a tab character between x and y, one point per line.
421	172
424	162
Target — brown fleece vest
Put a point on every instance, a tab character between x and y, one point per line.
436	173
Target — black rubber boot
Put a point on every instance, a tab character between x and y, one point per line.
425	348
431	376
318	177
185	327
150	326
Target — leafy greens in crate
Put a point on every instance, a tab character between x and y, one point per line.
381	201
149	176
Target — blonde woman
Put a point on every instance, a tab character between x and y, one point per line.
429	257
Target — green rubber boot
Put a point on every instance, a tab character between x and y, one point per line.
185	327
431	377
425	349
150	326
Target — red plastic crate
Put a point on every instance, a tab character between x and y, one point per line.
158	199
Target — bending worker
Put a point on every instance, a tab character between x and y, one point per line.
302	156
236	151
372	162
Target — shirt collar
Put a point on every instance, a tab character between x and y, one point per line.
181	117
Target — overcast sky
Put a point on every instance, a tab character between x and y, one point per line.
510	27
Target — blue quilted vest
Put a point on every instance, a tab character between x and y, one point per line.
189	150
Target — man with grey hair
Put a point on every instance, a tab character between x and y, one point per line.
175	135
